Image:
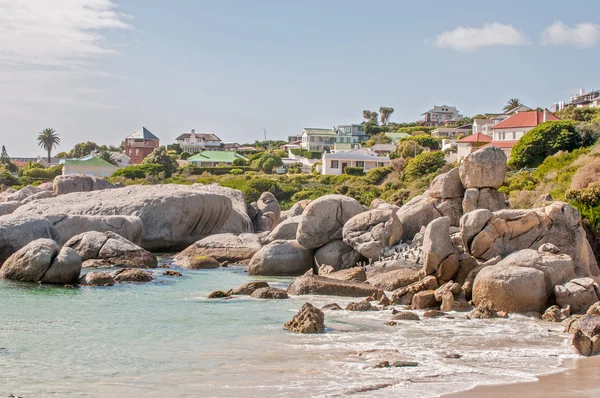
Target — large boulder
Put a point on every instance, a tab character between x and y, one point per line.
247	288
440	256
96	278
417	213
510	289
173	216
42	261
17	231
65	184
373	231
392	280
39	196
239	221
484	198
269	293
447	185
296	210
357	274
587	335
22	194
107	249
281	257
8	207
268	212
222	247
483	168
337	254
68	226
323	220
285	230
511	230
308	320
131	275
580	294
320	285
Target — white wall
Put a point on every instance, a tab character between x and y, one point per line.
510	134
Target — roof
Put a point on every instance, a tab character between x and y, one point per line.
479	137
397	135
524	119
143	133
92	161
247	149
503	144
312	131
358	154
215	156
231	145
465	127
383	147
206	136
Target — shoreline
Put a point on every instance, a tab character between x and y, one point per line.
579	378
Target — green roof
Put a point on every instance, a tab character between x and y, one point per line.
215	156
88	162
311	131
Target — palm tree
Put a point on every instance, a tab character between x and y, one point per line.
48	139
107	157
512	103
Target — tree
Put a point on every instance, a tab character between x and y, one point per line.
267	162
512	103
370	116
239	162
425	140
579	114
380	138
409	149
464	121
48	139
385	113
107	157
371	128
424	163
83	149
161	157
62	155
542	141
4	158
589	132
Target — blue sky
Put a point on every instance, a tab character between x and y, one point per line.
98	69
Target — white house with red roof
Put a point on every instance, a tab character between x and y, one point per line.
472	142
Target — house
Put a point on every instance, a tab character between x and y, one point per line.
483	126
468	144
440	115
581	100
231	146
319	140
43	160
356	130
297	137
396	136
507	133
345	141
452	132
140	144
193	142
89	165
291	145
336	163
214	158
383	149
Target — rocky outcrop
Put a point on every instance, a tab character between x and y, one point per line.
556	314
580	294
308	320
281	257
42	261
173	216
511	289
22	194
222	247
440	256
405	294
356	274
239	221
131	275
360	306
424	299
68	226
269	293
296	210
269	212
247	288
96	278
392	280
8	207
483	168
447	186
587	335
107	249
511	230
65	184
319	285
416	213
370	232
16	231
285	230
323	220
337	254
484	198
39	196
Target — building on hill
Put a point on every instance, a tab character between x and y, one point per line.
452	132
140	144
483	126
440	115
581	100
383	149
318	140
356	130
89	165
193	142
231	146
214	158
336	163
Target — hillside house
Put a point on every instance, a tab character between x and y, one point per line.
140	144
336	163
193	142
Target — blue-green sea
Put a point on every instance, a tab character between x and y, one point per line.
166	339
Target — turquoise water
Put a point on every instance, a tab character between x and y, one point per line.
165	339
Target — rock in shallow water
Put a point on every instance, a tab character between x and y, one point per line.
311	284
281	257
131	275
269	293
96	278
247	288
308	320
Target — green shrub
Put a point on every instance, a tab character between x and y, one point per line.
425	140
239	162
374	176
43	174
424	163
354	171
236	171
7	178
139	171
160	156
184	155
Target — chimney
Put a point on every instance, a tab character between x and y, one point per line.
581	91
545	115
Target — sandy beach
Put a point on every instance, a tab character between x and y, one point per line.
579	380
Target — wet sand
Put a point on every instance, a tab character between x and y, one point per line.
579	380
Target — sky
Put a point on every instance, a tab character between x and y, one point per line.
96	70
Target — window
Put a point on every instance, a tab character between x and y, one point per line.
360	163
335	164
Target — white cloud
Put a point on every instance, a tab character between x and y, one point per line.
471	39
583	35
55	33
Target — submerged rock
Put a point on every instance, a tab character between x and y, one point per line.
96	278
405	316
247	288
131	275
269	293
360	306
308	320
218	294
